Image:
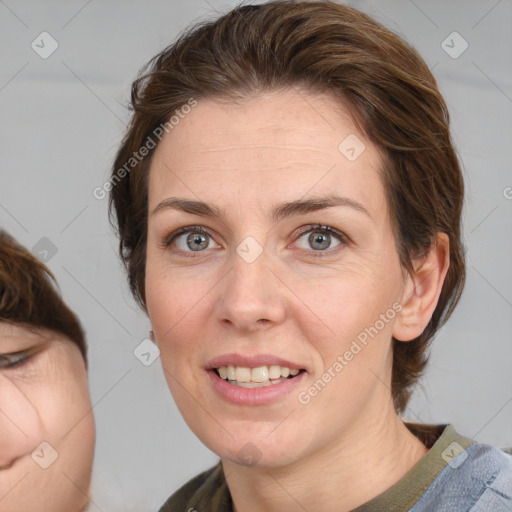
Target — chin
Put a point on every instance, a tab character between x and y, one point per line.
245	448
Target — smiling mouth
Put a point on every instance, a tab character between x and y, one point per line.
260	376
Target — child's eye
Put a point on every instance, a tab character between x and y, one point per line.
15	359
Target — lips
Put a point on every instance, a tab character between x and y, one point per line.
253	380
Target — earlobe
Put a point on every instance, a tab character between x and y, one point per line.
422	290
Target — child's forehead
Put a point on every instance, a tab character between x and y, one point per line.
10	330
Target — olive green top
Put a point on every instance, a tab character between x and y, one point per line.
208	491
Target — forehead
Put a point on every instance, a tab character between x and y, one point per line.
287	142
17	333
8	330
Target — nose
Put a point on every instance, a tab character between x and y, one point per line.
21	429
253	296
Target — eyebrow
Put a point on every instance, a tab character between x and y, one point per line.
279	212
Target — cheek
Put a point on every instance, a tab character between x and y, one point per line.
173	298
62	392
69	423
174	309
349	318
344	304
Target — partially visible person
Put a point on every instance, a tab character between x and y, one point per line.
47	430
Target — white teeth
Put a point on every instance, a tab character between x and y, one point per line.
242	374
255	377
259	374
274	371
254	384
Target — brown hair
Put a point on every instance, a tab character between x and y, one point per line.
28	297
324	47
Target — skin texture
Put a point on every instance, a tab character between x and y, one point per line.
44	399
347	444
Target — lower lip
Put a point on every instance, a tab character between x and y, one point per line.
254	396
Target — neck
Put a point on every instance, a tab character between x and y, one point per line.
341	476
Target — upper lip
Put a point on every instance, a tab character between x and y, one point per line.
251	361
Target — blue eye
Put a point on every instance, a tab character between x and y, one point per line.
15	359
197	239
321	236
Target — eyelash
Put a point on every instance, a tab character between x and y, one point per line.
317	228
20	359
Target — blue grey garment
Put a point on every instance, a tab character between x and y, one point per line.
456	475
479	479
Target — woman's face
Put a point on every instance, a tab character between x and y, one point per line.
260	289
46	425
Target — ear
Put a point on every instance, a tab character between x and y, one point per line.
422	289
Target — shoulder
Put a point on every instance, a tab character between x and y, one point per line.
493	468
477	479
206	488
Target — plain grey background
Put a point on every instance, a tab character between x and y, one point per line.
62	118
